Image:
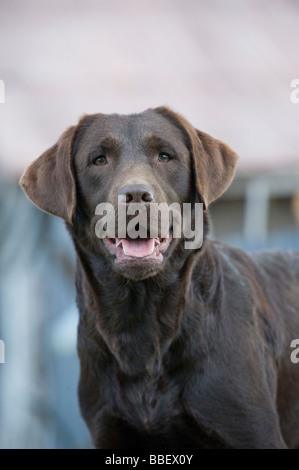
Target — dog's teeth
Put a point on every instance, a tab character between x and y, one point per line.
157	242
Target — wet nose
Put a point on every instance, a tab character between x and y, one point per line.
137	193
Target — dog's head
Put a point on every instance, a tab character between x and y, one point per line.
127	163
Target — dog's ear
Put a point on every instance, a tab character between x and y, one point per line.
214	167
213	161
49	181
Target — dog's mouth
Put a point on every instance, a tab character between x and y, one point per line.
129	249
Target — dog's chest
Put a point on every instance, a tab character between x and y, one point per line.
148	403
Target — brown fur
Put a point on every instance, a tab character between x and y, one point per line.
190	352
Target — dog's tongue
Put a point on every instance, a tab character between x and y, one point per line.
138	248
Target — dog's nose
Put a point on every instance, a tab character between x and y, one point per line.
137	193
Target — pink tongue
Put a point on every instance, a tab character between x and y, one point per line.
138	249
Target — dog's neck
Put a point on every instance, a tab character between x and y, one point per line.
124	311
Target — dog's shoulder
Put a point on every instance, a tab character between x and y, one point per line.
273	263
283	265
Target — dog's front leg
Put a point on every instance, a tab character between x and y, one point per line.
240	427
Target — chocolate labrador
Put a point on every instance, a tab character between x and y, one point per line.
179	348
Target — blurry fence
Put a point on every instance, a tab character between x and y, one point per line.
259	212
38	317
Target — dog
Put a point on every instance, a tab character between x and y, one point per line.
179	348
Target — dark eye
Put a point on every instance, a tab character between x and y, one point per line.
164	157
100	160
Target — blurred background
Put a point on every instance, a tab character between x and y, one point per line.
227	66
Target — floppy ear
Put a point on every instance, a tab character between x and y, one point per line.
49	181
213	161
214	166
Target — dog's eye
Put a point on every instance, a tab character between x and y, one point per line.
100	160
163	157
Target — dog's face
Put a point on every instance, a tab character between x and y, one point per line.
144	159
147	159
